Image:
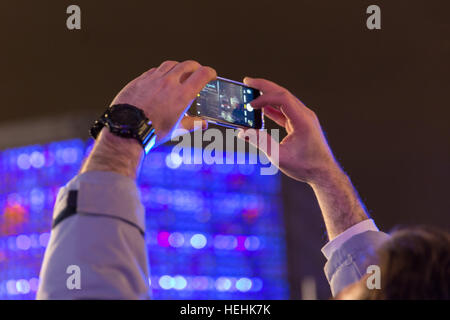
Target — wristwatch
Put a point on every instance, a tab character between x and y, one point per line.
126	121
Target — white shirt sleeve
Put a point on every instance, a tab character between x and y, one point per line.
336	243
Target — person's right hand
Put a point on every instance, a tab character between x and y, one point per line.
164	93
304	153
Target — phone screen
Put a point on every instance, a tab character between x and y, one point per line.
227	102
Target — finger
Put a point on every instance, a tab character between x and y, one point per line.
184	77
197	81
184	70
276	115
264	85
262	140
290	106
148	72
166	66
193	123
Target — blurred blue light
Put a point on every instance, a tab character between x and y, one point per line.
198	241
252	243
34	284
180	283
166	282
200	283
34	239
257	284
176	239
173	160
225	242
23	161
70	155
37	197
11	287
22	286
12	243
23	242
189	207
244	284
44	238
37	160
223	284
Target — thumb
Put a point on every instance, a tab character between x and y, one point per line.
193	123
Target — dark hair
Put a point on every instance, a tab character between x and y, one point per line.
414	264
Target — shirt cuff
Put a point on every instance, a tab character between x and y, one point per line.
105	193
336	243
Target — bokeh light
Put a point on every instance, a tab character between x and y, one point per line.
212	231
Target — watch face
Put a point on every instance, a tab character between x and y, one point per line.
124	116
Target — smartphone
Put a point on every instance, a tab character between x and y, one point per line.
227	103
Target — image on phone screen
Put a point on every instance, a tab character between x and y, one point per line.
229	103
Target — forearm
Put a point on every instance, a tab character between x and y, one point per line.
338	200
114	154
353	238
103	233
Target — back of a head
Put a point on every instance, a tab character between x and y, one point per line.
415	264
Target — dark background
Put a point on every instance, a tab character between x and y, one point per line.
381	96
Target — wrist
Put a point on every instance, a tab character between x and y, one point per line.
115	154
338	200
326	175
120	145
